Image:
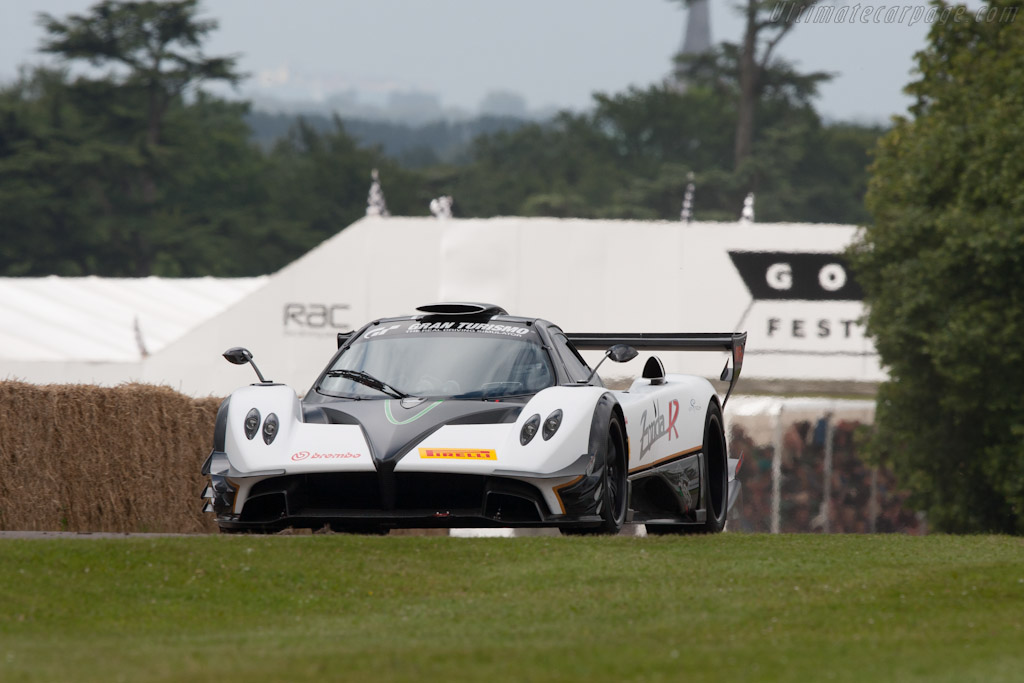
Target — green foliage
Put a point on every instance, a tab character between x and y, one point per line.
74	182
766	23
631	156
46	180
154	53
564	168
413	146
943	272
140	172
158	42
318	183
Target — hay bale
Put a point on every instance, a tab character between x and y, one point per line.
89	458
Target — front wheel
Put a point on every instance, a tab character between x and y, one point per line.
614	486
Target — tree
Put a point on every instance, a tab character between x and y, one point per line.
318	182
141	172
160	44
47	181
766	23
62	191
631	156
943	273
793	164
562	168
154	52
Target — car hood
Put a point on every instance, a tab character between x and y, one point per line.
392	426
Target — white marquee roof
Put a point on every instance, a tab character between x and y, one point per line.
586	275
107	319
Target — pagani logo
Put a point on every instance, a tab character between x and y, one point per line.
306	455
796	276
457	454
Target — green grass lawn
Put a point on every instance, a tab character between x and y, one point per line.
732	607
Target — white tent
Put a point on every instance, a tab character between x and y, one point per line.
783	283
102	330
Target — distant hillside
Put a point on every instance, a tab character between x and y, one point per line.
412	146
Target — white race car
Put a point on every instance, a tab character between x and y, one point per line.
465	416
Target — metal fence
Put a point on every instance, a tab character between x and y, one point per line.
802	470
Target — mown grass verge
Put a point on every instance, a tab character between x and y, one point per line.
319	608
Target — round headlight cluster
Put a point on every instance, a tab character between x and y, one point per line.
252	424
529	430
270	428
533	425
551	424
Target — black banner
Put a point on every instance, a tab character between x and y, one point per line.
784	276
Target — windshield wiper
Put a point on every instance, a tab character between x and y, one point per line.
369	380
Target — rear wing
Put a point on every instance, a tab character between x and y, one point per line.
733	342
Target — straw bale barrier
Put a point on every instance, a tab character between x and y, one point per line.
88	458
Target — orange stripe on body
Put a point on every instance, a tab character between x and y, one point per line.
661	461
558	491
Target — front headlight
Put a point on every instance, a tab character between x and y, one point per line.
270	428
252	424
551	424
529	430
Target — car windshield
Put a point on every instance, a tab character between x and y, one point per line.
482	361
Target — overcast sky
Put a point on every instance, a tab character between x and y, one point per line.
553	52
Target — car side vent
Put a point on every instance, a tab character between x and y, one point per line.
462	308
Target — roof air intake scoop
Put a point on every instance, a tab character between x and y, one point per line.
462	308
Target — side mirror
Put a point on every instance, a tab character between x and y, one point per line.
622	353
239	355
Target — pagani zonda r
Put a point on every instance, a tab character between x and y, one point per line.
465	416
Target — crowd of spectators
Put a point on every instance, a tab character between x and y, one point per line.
861	498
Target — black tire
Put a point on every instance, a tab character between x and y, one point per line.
614	484
715	484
